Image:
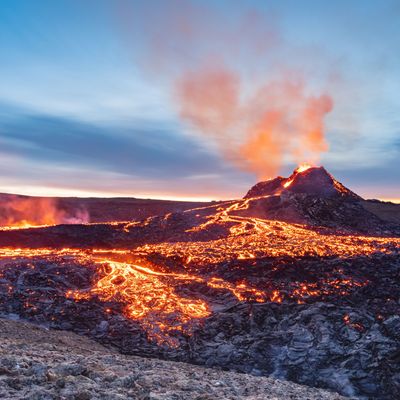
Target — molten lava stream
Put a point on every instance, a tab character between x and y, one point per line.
23	225
152	297
303	167
147	298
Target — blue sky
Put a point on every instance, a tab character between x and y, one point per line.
82	112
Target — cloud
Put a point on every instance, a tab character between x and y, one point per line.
77	75
41	154
149	152
236	81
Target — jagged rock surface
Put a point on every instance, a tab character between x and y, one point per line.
315	197
345	341
38	364
314	181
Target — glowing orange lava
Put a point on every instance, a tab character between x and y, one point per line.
23	225
154	294
20	212
148	297
288	183
303	167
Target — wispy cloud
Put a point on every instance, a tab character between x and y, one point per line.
65	153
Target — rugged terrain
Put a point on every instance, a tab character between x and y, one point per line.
314	187
299	280
39	364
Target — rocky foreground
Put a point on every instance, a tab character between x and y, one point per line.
41	364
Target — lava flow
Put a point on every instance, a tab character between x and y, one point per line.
157	299
171	273
24	225
303	167
147	295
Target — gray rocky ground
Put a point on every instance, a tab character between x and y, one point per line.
41	364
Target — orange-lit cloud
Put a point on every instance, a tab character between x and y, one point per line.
235	82
258	132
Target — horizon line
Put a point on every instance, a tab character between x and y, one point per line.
83	194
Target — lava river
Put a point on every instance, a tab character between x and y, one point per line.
166	296
220	255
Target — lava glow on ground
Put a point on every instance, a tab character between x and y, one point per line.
148	292
151	281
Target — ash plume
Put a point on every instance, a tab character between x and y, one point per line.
235	82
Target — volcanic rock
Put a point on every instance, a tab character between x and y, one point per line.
42	364
341	335
266	188
313	181
314	197
392	326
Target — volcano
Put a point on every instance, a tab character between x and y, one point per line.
307	180
312	196
298	280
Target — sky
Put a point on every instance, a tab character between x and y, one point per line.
89	105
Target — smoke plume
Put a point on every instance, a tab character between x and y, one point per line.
280	119
18	211
236	82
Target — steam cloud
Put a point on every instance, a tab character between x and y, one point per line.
279	120
235	82
25	211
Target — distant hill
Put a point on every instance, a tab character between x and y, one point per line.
58	210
